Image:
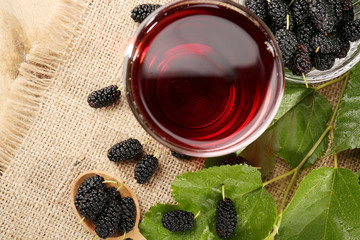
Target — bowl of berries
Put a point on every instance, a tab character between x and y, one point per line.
319	39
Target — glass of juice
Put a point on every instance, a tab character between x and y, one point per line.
204	78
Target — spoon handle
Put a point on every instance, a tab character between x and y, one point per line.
137	235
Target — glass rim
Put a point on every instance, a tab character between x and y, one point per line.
234	146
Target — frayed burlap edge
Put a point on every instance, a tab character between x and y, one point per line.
36	73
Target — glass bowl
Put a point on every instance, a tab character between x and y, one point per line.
341	65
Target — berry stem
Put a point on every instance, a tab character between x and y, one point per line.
317	49
197	214
287	21
306	84
121	87
339	79
109	181
223	192
96	237
145	142
122	184
80	222
292	1
123	236
157	152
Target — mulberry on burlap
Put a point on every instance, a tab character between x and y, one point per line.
49	135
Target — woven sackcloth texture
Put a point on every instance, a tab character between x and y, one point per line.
49	135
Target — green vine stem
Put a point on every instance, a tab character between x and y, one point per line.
339	79
297	170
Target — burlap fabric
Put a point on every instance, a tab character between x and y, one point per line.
49	135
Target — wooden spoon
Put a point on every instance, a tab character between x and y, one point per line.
125	191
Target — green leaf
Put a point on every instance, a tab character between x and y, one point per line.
298	131
262	153
200	191
292	136
347	128
325	207
293	94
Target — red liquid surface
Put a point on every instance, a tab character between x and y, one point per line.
203	76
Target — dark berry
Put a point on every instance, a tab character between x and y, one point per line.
336	6
125	150
300	63
104	97
145	169
325	44
113	194
226	218
344	49
258	7
140	12
108	221
178	221
278	11
128	215
300	11
180	156
348	11
323	62
322	15
287	43
304	34
234	161
351	30
91	197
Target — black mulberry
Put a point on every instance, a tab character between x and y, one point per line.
338	12
322	15
145	169
301	63
178	221
108	221
91	197
304	35
323	62
258	7
287	43
113	194
234	161
125	150
348	11
351	30
300	11
140	12
104	97
128	214
226	218
325	44
180	156
344	49
277	12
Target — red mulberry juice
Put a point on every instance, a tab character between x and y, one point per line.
203	77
